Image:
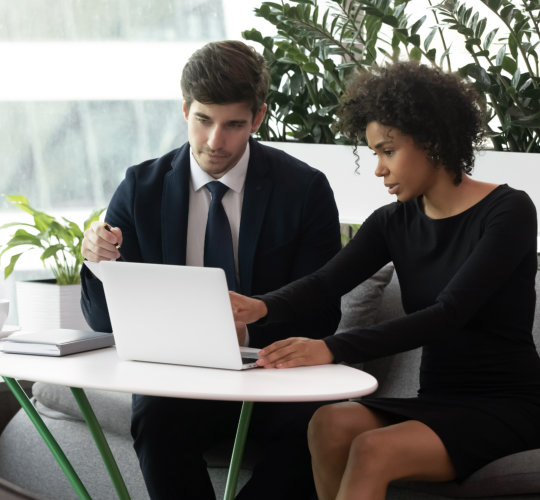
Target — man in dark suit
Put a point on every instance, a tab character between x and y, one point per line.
283	225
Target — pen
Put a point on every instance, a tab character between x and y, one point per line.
117	245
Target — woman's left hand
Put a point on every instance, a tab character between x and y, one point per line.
295	351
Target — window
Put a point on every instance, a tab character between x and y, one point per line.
89	88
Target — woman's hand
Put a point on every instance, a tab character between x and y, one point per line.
295	351
246	309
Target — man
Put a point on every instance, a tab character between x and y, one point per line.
283	225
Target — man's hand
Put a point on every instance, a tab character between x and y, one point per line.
295	351
246	309
100	243
241	330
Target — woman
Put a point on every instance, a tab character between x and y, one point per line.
465	255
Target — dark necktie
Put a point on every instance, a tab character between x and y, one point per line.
218	245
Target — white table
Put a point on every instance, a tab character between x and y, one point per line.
102	369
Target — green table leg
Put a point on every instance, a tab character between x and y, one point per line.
53	445
101	442
238	450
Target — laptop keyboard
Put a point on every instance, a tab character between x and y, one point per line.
248	359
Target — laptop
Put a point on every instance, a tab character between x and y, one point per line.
172	314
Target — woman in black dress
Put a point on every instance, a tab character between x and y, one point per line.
465	255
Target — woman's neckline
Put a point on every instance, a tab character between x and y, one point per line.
418	204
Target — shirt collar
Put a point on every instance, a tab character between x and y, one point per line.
234	179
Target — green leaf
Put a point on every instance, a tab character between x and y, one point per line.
253	35
416	54
509	65
417	25
489	38
512	45
390	20
429	38
515	78
294	119
22	237
480	28
506	13
52	250
9	268
500	56
494	5
415	40
310	67
532	121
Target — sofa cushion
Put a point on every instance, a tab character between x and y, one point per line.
112	409
516	474
359	306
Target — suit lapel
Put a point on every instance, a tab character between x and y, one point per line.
256	195
174	209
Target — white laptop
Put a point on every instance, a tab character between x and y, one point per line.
172	314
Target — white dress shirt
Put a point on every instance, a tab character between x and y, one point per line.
199	203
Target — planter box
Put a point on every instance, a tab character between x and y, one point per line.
43	304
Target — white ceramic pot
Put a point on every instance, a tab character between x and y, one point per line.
42	304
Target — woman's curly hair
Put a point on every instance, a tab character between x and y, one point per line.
440	111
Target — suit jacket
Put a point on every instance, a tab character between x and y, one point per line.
289	227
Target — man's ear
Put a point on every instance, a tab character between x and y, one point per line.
257	120
185	110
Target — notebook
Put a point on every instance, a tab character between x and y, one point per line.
55	342
172	314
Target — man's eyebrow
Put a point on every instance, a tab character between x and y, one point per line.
231	122
237	122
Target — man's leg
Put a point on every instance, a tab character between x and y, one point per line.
284	469
170	436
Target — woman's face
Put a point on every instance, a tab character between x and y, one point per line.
402	164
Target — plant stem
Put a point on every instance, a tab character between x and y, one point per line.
443	40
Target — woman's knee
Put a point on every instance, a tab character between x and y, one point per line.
333	425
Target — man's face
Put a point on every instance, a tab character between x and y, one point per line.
218	133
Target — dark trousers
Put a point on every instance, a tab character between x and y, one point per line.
170	436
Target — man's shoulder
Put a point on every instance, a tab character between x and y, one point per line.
278	162
161	165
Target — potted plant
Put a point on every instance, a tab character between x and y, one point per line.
51	303
318	47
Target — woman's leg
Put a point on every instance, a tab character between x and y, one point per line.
356	452
331	431
407	450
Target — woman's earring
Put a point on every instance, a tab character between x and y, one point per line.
434	156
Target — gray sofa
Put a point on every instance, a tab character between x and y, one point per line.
25	461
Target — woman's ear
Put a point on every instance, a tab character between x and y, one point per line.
432	153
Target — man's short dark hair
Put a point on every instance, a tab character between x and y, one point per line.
225	72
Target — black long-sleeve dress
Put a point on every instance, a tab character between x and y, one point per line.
468	288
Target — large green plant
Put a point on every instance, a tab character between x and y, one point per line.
317	47
60	242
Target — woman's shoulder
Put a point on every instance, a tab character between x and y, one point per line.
504	196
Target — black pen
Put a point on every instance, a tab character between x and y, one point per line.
117	245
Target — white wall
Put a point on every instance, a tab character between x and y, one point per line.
358	194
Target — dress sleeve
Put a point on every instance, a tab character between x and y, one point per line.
362	257
507	241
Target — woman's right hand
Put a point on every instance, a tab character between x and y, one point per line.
246	309
100	243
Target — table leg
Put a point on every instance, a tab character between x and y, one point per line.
238	450
101	443
52	444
